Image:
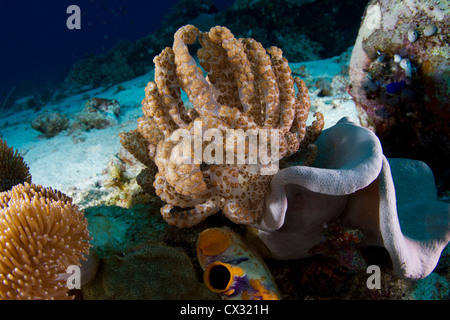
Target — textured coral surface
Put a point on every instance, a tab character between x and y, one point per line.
247	88
399	73
41	234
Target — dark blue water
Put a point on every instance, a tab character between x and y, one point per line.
37	47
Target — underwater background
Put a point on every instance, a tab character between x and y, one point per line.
67	94
39	50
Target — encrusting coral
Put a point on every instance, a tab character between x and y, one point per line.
41	234
246	88
13	169
399	71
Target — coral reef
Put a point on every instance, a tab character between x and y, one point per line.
126	190
343	247
98	113
294	27
41	234
148	271
394	203
399	74
111	107
13	169
232	269
245	89
290	25
336	206
124	62
128	59
50	123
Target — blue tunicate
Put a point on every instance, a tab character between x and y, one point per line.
395	87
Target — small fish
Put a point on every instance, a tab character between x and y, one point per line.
395	87
231	269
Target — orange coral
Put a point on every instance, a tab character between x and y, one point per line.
246	88
41	234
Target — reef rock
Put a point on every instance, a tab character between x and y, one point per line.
99	113
399	74
50	123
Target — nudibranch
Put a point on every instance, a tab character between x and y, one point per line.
232	269
246	90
